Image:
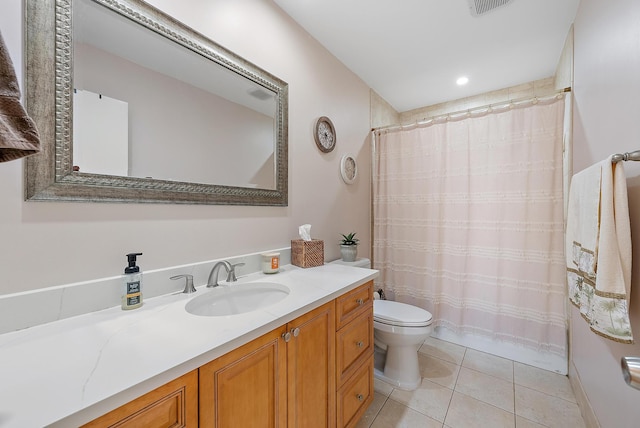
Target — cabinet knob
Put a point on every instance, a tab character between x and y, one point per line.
360	302
359	344
360	397
286	336
295	331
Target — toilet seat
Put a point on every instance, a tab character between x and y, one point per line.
400	314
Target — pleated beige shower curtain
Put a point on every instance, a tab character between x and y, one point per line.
468	222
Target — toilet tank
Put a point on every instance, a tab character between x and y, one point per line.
360	262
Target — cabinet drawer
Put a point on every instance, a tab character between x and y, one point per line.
356	395
353	303
174	404
354	343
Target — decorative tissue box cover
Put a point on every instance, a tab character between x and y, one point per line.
307	253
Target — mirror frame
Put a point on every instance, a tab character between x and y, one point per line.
48	99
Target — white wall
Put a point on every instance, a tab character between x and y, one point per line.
46	244
606	121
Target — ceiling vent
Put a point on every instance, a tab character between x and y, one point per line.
260	94
480	7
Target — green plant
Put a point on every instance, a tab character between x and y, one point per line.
349	239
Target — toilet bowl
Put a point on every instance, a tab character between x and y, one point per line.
399	329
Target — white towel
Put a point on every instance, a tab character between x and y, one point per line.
598	249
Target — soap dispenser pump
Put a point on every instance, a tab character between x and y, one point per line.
132	292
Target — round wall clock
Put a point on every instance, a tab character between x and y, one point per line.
348	169
325	134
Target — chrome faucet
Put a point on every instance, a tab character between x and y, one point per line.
213	275
231	273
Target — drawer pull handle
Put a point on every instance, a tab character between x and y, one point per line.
360	302
286	336
360	397
359	344
295	331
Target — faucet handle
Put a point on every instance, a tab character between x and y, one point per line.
188	287
231	275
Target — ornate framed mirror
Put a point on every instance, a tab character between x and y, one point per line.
175	136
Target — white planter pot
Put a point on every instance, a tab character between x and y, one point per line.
349	252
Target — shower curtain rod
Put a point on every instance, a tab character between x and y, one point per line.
460	114
627	156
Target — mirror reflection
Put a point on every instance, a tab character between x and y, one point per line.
133	106
146	107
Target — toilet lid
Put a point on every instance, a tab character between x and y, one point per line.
400	314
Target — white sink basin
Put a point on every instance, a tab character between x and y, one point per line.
236	299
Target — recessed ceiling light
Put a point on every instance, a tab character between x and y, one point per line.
462	81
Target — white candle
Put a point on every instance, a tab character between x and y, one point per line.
270	262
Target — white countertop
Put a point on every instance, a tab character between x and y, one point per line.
68	372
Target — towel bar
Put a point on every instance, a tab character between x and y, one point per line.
627	156
631	371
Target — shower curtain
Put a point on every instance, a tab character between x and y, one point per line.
468	222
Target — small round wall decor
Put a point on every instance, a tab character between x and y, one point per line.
325	134
348	169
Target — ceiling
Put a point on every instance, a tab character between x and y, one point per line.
411	52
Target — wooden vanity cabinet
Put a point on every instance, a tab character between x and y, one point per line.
284	378
174	404
315	371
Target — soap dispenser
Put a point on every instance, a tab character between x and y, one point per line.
132	292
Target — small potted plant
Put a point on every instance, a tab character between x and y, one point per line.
349	247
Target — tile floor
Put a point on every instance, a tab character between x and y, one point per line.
465	388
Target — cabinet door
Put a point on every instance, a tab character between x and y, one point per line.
246	387
174	404
311	369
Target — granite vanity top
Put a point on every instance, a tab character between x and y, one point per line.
68	372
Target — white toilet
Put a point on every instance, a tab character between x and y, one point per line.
399	330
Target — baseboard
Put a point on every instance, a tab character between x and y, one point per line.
588	414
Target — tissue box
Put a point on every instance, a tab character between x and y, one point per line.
307	253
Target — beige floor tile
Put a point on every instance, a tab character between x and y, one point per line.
488	364
395	415
546	409
429	399
491	390
467	412
382	387
544	381
439	371
444	350
372	411
526	423
484	394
